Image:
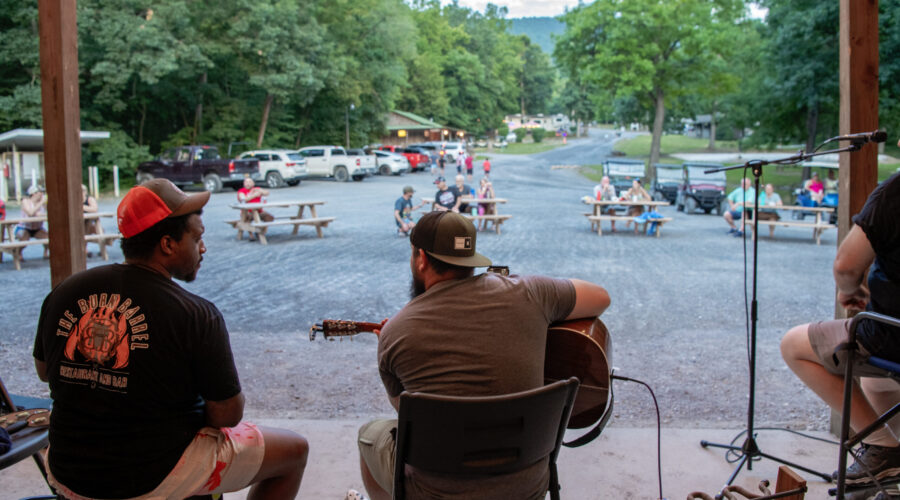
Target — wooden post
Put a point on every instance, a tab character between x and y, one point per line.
858	173
62	136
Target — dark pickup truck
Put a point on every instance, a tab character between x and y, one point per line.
186	165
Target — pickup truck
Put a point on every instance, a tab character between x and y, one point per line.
186	165
332	161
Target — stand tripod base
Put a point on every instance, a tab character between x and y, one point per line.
750	451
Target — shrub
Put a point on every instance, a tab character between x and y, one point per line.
538	134
502	130
520	133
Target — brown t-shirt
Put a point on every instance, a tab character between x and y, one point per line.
481	336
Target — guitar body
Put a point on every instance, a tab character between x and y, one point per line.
581	348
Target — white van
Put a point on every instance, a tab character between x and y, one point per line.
279	166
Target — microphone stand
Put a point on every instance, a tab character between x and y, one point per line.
750	451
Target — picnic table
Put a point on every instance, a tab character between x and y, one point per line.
596	216
495	218
251	221
9	244
818	225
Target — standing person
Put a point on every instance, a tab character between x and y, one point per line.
251	193
442	161
872	247
33	206
403	209
605	191
445	199
486	165
460	160
466	335
461	189
736	199
831	183
146	397
469	167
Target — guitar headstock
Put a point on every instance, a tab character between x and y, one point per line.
331	328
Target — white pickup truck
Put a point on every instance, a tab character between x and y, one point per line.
332	161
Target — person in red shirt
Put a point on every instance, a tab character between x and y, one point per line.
251	193
487	167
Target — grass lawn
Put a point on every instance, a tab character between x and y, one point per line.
526	148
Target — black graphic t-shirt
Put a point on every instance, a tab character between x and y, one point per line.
446	198
878	220
131	357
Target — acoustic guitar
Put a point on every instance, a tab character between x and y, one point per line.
580	348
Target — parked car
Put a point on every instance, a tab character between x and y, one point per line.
501	143
434	151
623	172
332	161
364	159
391	163
417	160
481	142
279	167
668	177
451	150
186	165
702	190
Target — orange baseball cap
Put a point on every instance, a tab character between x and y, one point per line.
145	205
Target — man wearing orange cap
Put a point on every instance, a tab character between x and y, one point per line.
146	397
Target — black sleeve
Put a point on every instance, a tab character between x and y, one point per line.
877	218
214	369
38	351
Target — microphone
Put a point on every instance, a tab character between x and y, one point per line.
862	137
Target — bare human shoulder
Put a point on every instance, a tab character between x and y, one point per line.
590	299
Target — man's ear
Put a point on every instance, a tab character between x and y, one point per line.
421	260
167	245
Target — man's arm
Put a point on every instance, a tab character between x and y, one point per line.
91	206
397	216
853	259
41	368
227	413
590	300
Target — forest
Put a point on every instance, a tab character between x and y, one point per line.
290	73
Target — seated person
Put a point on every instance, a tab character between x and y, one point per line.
606	192
462	189
736	199
403	209
831	183
486	191
768	201
437	344
251	193
33	206
866	274
445	199
89	206
815	187
147	401
636	193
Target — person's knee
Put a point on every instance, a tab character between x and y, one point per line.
794	342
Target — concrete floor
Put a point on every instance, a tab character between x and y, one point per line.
620	464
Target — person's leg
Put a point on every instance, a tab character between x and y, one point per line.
375	491
266	216
376	457
729	219
612	223
800	357
882	394
42	234
282	467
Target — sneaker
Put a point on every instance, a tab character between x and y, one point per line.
732	231
879	461
738	234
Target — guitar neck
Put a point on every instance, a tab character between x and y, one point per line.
341	328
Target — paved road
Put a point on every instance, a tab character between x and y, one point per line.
677	317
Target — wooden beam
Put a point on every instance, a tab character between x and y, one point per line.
859	105
62	136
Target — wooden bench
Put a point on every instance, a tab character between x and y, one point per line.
496	219
596	221
15	247
261	227
818	228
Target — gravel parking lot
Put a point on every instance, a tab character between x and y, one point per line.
677	318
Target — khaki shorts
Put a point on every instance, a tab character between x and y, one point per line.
216	461
826	336
377	448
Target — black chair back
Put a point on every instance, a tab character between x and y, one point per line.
482	436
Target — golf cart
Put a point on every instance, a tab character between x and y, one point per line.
668	177
623	172
803	198
701	190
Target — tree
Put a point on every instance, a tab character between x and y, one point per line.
643	48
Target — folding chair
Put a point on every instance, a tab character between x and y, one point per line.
891	370
27	442
482	436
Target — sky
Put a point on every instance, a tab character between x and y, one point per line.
538	8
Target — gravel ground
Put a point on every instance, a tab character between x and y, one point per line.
677	318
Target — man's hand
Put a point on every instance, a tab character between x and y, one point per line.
854	302
377	331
